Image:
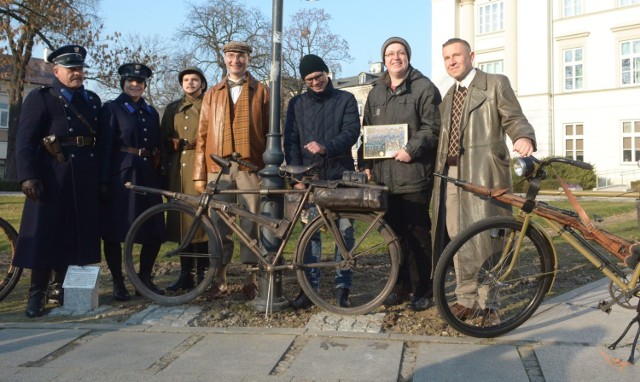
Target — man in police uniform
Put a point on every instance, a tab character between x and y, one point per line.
57	165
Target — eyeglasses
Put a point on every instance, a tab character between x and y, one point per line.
400	53
318	78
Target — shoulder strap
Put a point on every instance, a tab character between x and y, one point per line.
81	117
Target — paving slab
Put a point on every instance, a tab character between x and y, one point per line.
109	351
21	346
347	359
588	363
226	354
453	362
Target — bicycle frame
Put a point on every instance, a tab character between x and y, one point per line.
565	226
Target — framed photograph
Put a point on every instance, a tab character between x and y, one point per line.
382	141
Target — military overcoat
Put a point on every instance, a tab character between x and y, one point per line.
124	125
179	129
63	227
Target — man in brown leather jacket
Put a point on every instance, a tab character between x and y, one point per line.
477	112
234	118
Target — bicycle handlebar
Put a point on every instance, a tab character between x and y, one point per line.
572	162
235	157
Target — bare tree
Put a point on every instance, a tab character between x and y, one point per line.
148	50
28	22
309	33
212	24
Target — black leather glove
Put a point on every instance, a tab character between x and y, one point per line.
104	193
32	188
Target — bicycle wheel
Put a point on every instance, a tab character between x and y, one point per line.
369	269
167	266
9	274
504	288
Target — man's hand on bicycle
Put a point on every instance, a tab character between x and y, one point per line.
523	146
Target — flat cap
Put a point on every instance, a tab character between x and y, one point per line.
69	56
237	46
135	70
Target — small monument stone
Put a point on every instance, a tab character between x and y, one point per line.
81	288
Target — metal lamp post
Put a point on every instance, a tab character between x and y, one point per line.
273	158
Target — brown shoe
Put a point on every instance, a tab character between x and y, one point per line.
218	290
633	258
490	317
462	312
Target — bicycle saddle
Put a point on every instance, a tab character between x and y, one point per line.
296	169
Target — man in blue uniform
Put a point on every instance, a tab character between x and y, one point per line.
129	144
57	165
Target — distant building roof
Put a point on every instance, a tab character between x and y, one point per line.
38	72
361	79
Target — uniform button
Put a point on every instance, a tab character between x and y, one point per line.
184	152
69	118
145	139
184	164
145	129
91	155
186	117
71	130
144	159
144	120
95	107
73	155
185	127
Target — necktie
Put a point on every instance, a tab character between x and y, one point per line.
456	116
231	84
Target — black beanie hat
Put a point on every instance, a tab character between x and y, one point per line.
312	63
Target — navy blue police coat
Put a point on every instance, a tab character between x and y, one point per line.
63	227
127	126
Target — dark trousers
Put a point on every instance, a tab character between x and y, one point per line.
408	215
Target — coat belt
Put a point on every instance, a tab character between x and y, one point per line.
140	152
80	141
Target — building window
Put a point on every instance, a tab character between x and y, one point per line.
495	67
624	3
491	17
630	62
362	79
630	141
571	7
4	115
574	141
573	76
360	108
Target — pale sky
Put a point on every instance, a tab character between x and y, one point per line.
364	24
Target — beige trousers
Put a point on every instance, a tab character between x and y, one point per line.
234	179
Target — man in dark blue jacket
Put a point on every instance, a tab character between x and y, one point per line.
57	166
322	125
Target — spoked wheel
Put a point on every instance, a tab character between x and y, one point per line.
504	287
368	268
9	274
167	269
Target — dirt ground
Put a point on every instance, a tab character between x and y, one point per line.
232	310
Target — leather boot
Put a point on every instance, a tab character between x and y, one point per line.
202	268
342	297
184	282
55	294
301	302
146	280
37	293
120	292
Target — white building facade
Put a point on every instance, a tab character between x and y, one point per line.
574	65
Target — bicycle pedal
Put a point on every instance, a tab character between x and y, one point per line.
606	306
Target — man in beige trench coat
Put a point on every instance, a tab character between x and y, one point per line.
477	114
